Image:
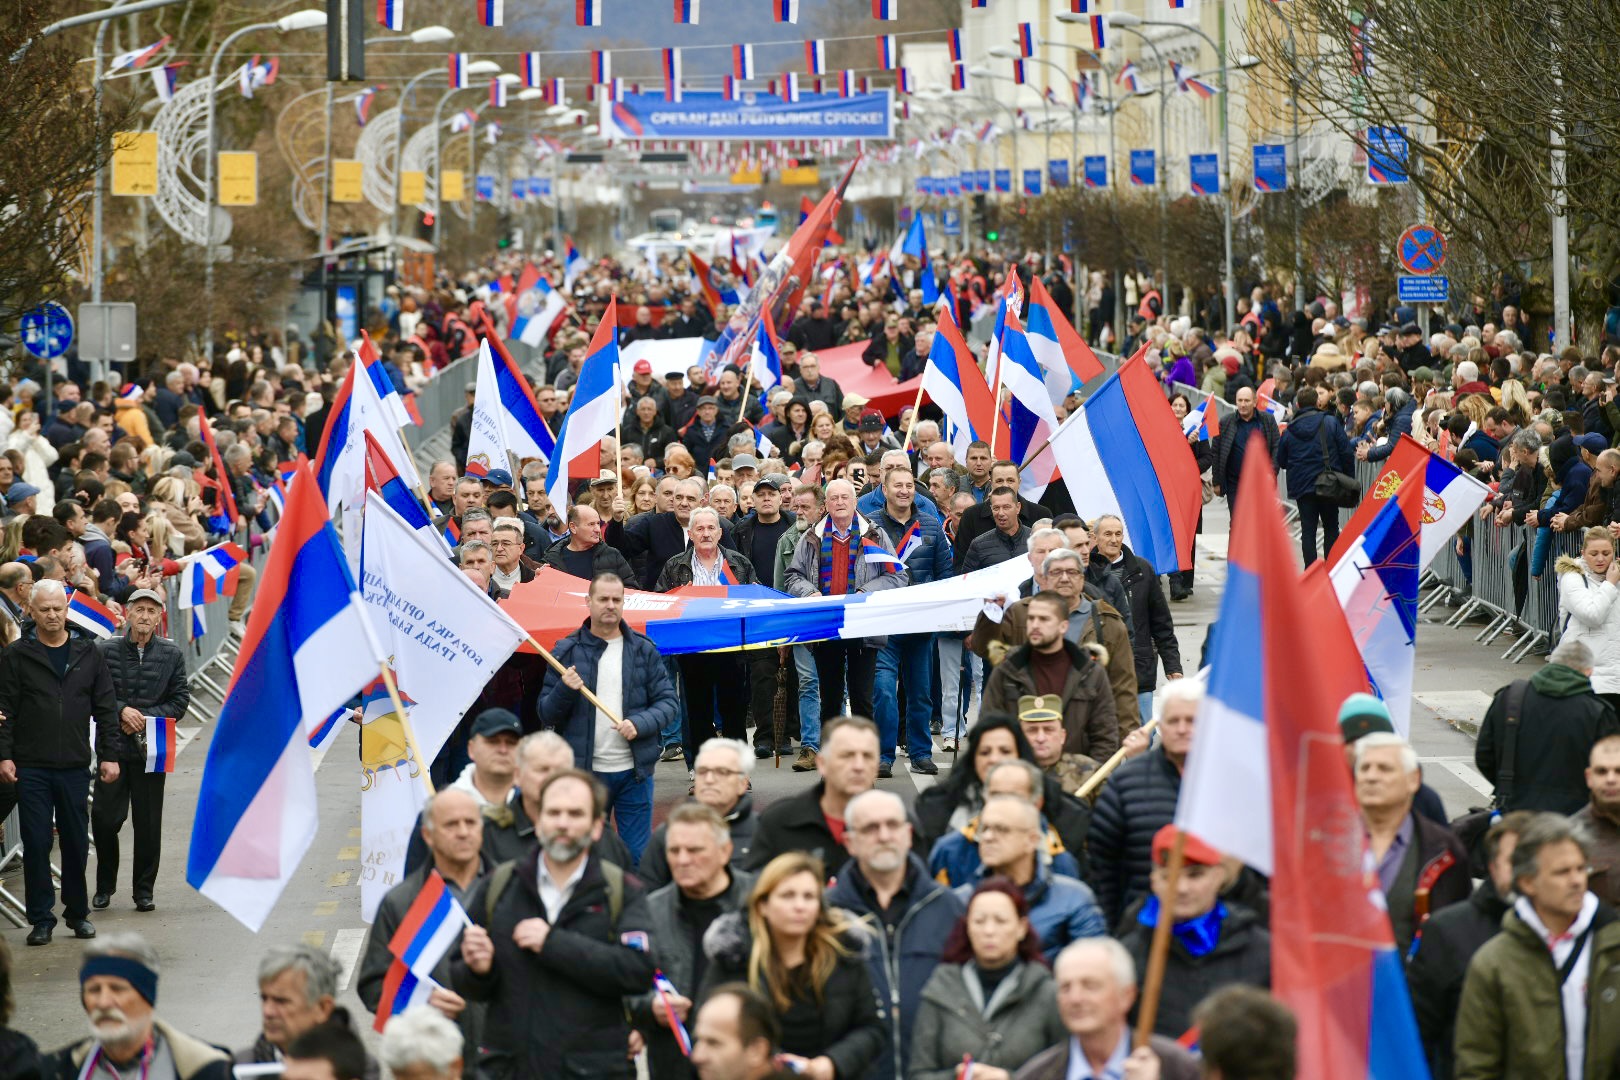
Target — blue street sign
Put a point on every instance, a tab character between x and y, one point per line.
484	188
539	187
953	186
1424	289
1143	172
520	187
952	222
1096	170
981	181
1387	151
1059	172
1271	167
1003	181
966	180
1032	181
1206	173
47	330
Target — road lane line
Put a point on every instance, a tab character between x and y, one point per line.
346	945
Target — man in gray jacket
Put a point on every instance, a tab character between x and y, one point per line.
673	920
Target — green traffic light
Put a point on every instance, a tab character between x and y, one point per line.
992	235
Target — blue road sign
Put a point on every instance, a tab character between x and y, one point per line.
1423	289
1058	170
484	188
952	222
1096	171
47	330
1422	249
1387	151
1206	173
1143	171
1270	167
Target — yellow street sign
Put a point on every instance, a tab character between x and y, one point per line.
412	187
747	176
239	179
803	176
346	182
134	163
455	186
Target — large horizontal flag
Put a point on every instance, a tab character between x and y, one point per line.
91	615
138	58
1123	453
160	737
1067	362
1450	499
506	420
1376	582
1265	782
307	649
429	927
710	619
952	380
592	413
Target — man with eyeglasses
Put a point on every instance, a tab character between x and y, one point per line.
888	886
720	778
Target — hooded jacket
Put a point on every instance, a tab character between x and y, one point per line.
1562	719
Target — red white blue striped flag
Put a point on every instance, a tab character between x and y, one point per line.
90	615
815	56
391	14
587	13
742	62
885	52
458	71
785	11
601	66
1026	39
491	12
887	10
672	74
160	744
686	11
530	63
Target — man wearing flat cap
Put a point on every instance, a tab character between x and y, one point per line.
118	984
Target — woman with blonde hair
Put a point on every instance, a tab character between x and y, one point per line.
808	960
1588	591
186	533
642	495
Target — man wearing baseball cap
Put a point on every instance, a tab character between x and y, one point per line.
1212	944
643	385
118	983
149	681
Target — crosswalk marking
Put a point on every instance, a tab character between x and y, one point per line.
1452	706
346	946
1463	769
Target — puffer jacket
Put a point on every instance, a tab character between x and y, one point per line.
152	680
1090	720
1592	617
1019	1021
1242	955
901	956
849	1024
649	700
1138	800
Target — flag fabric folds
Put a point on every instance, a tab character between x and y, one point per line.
138	58
1451	498
429	927
1031	417
160	737
401	990
391	14
952	380
506	420
1204	420
1266	782
742	61
1123	453
91	615
340	469
307	649
393	402
382	479
1066	361
593	410
166	78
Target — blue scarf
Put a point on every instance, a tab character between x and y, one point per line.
1198	936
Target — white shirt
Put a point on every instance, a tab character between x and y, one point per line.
1113	1069
554	895
706	575
612	753
1574	988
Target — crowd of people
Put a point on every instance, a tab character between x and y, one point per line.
1001	924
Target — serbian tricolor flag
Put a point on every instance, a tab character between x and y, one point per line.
958	76
224	516
742	62
391	14
665	990
874	552
166	78
529	62
497	94
1203	421
400	991
953	381
430	927
886	10
1098	33
705	280
587	13
886	52
601	66
592	413
1450	499
1067	362
138	58
1266	783
815	56
846	88
1026	39
785	11
160	744
491	12
362	104
790	87
953	42
672	74
904	82
458	70
728	88
686	11
90	615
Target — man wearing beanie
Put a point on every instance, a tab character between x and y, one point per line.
1363	714
118	988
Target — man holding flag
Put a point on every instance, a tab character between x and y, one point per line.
150	687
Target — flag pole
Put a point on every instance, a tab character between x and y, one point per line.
915	405
1094	781
557	666
1159	952
995	399
405	725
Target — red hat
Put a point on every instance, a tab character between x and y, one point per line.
1194	851
643	367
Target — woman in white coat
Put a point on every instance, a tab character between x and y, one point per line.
1589	600
38	456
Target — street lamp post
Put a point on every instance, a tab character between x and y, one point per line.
1163	170
1005	53
477	67
1012	117
307	19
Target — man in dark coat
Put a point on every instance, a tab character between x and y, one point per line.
1233	443
1211	945
1300	452
813	820
615	736
149	681
660	536
1153	630
1559	720
1449	940
545	950
720	782
583	553
52	686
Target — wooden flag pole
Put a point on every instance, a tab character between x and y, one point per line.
557	666
1094	781
1159	952
405	725
912	427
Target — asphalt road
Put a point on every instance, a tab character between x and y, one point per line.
208	984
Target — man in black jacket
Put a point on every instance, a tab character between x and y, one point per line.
149	680
51	687
1153	630
545	949
660	536
582	552
1451	937
813	820
978	519
720	782
1233	442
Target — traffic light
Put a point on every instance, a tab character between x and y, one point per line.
991	235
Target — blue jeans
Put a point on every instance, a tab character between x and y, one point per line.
670	733
804	662
954	703
66	793
913	654
1144	705
630	802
